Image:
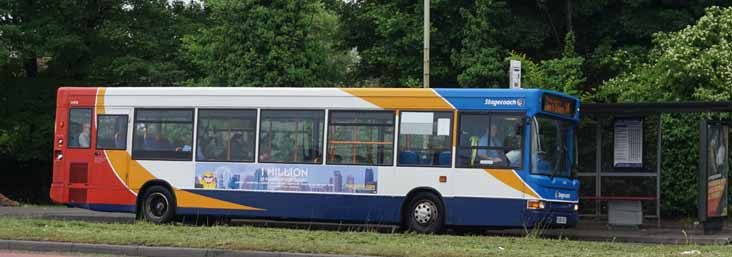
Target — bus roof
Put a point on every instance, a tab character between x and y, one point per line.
339	98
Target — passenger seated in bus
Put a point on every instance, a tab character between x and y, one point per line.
119	138
493	156
154	141
265	154
240	147
84	135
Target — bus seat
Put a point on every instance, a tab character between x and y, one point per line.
426	159
408	157
444	158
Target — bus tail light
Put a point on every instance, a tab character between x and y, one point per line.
535	204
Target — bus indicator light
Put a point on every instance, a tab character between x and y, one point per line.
443	179
534	204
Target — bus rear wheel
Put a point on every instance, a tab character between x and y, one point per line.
425	214
158	205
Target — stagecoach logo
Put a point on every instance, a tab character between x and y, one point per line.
560	195
504	102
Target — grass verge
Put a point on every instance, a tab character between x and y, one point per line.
306	241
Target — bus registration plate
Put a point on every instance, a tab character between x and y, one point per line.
561	220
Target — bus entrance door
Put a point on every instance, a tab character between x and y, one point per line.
77	155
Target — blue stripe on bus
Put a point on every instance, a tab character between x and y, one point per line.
463	211
341	207
105	207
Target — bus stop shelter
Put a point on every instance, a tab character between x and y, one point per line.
620	154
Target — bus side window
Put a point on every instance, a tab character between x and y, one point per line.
425	139
361	137
490	140
112	132
291	136
226	135
163	134
79	128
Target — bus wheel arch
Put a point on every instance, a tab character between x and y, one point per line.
160	194
423	211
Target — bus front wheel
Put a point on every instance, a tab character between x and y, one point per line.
158	205
425	214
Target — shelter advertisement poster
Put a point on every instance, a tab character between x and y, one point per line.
628	143
716	200
717	170
287	177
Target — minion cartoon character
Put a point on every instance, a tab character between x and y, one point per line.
208	180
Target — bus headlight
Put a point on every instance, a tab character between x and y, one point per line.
535	204
576	207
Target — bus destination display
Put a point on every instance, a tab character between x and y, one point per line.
558	105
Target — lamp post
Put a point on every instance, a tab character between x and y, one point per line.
426	64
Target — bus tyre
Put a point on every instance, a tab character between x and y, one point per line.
158	205
425	214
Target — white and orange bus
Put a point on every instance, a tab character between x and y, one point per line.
422	158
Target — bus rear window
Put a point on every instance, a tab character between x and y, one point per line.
79	128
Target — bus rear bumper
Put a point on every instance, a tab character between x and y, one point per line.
57	193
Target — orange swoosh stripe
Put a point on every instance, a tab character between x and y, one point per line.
121	159
510	178
401	98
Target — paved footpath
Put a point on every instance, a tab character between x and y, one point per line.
134	250
28	254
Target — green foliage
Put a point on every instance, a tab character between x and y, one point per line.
282	43
26	128
693	64
562	74
479	60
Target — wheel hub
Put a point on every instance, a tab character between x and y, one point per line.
425	212
158	205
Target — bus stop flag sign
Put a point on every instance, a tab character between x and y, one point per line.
514	74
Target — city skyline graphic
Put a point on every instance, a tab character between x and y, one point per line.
290	177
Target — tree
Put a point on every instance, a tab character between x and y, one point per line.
481	58
142	44
281	43
692	64
562	74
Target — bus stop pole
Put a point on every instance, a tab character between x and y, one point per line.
426	64
659	151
